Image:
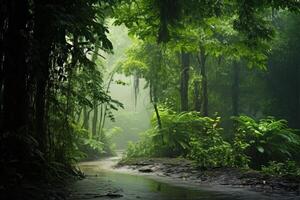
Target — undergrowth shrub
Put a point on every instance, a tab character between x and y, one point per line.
185	134
200	138
263	141
287	168
143	148
208	148
172	140
87	147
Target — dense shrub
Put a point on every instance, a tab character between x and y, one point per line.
200	138
208	148
88	147
142	148
171	140
287	168
185	134
266	140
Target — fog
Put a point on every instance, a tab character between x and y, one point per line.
135	117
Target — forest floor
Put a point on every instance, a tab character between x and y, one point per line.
183	169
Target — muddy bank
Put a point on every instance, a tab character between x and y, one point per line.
179	168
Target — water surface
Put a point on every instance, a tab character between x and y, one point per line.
104	182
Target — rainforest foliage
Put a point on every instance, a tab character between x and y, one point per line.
223	79
218	82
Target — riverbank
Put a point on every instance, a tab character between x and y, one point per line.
105	179
183	169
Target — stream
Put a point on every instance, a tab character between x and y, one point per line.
103	181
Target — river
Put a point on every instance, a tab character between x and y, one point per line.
104	182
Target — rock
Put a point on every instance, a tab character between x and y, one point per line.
203	179
113	195
145	170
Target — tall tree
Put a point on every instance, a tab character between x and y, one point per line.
184	80
202	60
235	91
43	36
13	66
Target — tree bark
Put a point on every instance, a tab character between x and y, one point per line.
14	70
86	118
204	81
298	85
154	99
43	39
95	102
235	89
197	99
100	131
184	82
159	124
95	118
197	86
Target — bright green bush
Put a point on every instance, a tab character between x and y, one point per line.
200	138
208	148
185	134
172	140
266	140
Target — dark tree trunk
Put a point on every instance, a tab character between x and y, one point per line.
154	99
204	82
197	99
42	36
236	89
14	71
95	119
197	86
100	131
95	102
298	96
40	113
184	82
86	118
159	124
3	19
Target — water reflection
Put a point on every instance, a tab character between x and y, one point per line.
102	183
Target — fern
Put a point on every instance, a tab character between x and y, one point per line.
266	140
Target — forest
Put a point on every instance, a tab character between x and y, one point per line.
149	99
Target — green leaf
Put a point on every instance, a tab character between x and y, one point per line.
260	149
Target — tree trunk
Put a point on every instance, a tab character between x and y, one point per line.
95	102
197	92
14	68
154	99
159	124
3	18
95	119
42	36
86	118
184	82
236	89
100	132
298	85
103	107
204	82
